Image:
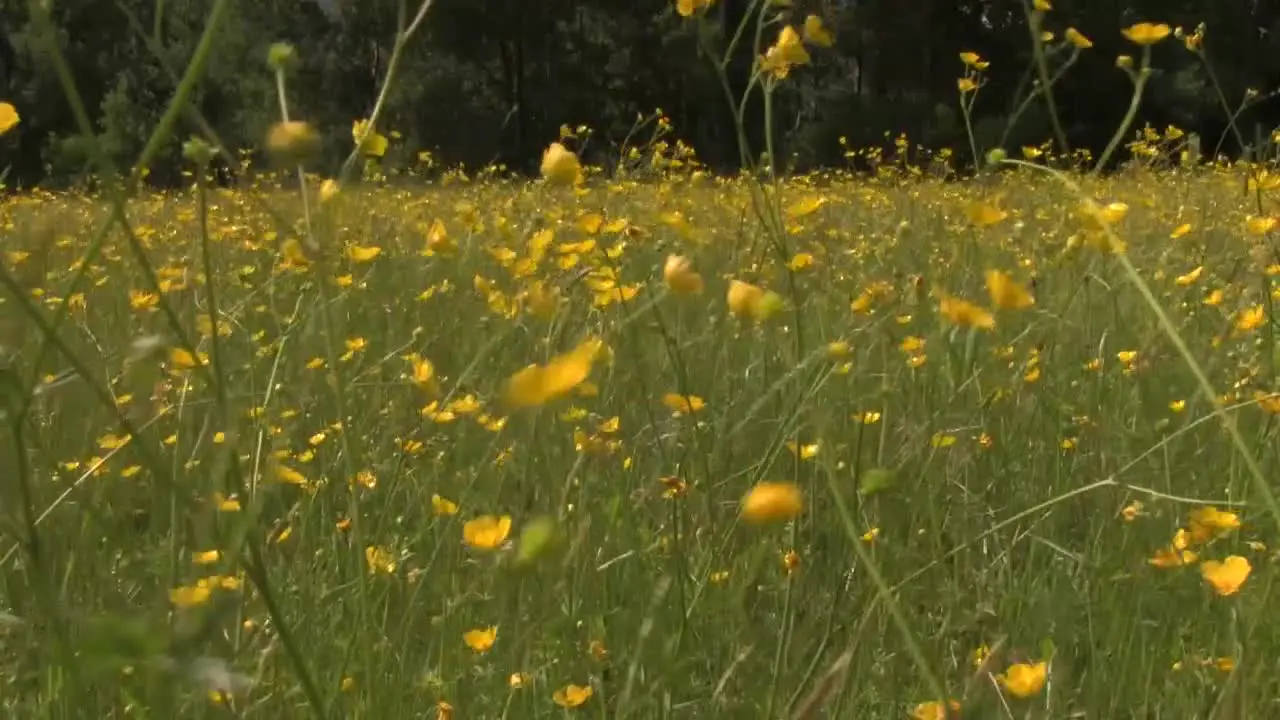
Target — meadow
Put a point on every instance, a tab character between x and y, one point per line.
347	495
649	442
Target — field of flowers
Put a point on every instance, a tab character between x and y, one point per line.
649	443
504	448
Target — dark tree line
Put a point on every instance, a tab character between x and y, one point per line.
493	80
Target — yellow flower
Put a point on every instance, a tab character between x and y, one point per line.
481	639
935	710
292	142
205	557
1227	576
571	696
984	215
680	277
743	298
965	314
772	502
328	189
1189	278
1250	318
1024	680
1145	33
1006	293
683	404
973	60
370	141
380	560
535	385
363	253
189	596
814	32
686	8
443	506
966	85
560	166
486	532
444	711
1078	39
8	117
786	52
1260	225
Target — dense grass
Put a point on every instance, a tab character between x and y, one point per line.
985	482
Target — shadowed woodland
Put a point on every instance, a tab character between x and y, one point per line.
490	81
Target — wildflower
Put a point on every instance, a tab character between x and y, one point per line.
1180	231
984	215
973	60
486	532
560	166
1145	33
935	710
8	117
1078	39
1131	511
683	404
535	385
516	681
1189	278
1227	576
480	640
362	253
786	52
814	32
205	557
292	142
744	298
966	85
1024	680
680	277
1209	522
380	560
443	506
687	8
329	189
571	696
1250	318
772	502
189	596
444	711
965	314
1006	293
370	141
1260	225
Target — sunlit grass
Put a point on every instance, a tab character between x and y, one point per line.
1030	479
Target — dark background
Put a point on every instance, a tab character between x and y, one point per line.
492	80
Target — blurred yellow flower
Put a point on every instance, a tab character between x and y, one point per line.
680	277
965	314
487	531
9	118
815	33
1025	679
686	8
560	165
380	560
786	52
571	696
537	384
683	404
443	506
1006	293
1078	39
936	710
1228	576
481	639
772	502
370	141
1251	318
